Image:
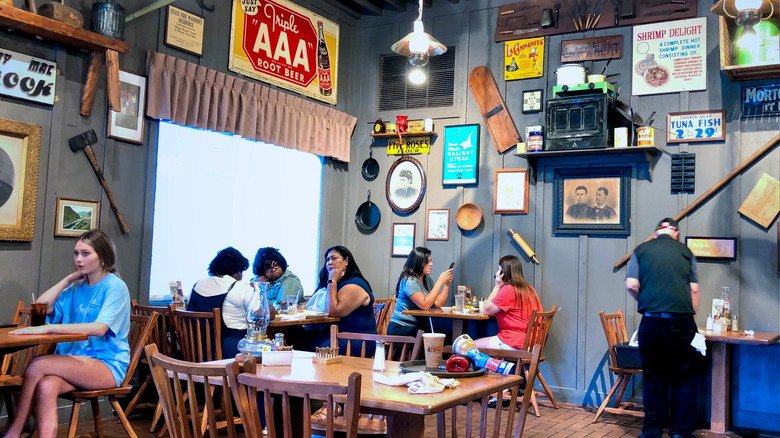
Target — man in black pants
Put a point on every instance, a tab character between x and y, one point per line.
662	278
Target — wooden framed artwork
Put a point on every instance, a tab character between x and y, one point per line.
461	155
20	149
696	126
592	49
510	192
713	248
592	201
438	224
184	31
75	217
533	101
403	239
405	185
128	124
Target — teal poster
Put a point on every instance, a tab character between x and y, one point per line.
461	154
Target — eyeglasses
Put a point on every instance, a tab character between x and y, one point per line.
272	265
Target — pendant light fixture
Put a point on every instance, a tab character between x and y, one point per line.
747	14
418	47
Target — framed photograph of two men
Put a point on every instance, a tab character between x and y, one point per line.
592	201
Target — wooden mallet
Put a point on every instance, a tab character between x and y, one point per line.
83	142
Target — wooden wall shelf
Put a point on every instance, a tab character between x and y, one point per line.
100	46
403	134
650	154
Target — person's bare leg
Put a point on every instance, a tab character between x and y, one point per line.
77	371
488	342
49	387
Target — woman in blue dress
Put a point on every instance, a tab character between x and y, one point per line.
344	292
94	301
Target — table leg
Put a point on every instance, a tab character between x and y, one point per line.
719	406
457	328
405	425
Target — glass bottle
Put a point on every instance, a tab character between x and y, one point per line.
323	63
258	316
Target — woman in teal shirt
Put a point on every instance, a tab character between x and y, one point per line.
94	301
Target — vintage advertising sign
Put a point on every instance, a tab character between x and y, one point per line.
461	155
27	78
524	59
592	49
281	43
712	247
410	145
693	126
761	100
669	57
184	31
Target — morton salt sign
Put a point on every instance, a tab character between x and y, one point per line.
285	45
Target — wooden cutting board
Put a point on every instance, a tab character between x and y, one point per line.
762	205
491	105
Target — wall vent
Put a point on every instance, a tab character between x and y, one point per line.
397	93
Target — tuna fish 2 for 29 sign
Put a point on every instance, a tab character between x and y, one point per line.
285	45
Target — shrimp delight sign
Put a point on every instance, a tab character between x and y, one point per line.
283	44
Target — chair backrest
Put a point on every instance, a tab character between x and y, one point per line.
164	333
521	358
199	334
539	328
140	335
615	330
15	363
383	311
177	380
247	386
401	348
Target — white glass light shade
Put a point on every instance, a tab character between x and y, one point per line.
742	5
419	42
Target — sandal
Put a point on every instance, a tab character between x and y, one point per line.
321	414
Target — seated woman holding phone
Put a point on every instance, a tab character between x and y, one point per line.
511	301
416	290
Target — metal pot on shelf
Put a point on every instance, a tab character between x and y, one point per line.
570	74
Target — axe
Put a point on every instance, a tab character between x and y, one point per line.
83	142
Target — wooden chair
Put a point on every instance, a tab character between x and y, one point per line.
383	311
199	334
522	359
140	334
13	365
399	348
247	385
169	375
164	336
538	331
615	330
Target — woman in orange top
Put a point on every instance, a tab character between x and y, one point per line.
511	301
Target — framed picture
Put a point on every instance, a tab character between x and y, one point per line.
510	193
713	248
694	126
461	155
128	124
438	226
184	31
20	149
532	101
75	217
405	186
592	201
403	239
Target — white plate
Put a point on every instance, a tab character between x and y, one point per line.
447	309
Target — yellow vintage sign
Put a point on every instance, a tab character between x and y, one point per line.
524	59
411	145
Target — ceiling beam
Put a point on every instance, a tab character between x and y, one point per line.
398	5
370	7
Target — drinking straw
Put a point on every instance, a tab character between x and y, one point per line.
431	321
33	297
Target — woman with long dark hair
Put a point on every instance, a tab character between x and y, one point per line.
511	301
343	291
416	290
94	301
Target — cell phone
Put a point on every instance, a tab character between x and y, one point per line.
452	265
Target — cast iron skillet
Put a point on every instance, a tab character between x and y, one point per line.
370	168
368	216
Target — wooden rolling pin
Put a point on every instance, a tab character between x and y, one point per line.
527	249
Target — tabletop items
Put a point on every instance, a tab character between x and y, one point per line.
326	355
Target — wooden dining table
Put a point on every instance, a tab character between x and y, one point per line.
456	317
10	343
720	351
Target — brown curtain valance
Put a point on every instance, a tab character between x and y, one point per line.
192	95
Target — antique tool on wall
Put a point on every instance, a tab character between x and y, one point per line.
527	249
83	142
749	161
491	105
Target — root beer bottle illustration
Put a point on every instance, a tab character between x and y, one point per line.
323	63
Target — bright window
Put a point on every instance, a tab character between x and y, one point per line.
214	190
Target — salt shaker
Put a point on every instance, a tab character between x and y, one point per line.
735	323
709	321
379	356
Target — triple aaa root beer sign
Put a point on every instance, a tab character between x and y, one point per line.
285	45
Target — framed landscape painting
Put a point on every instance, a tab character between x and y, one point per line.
75	217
